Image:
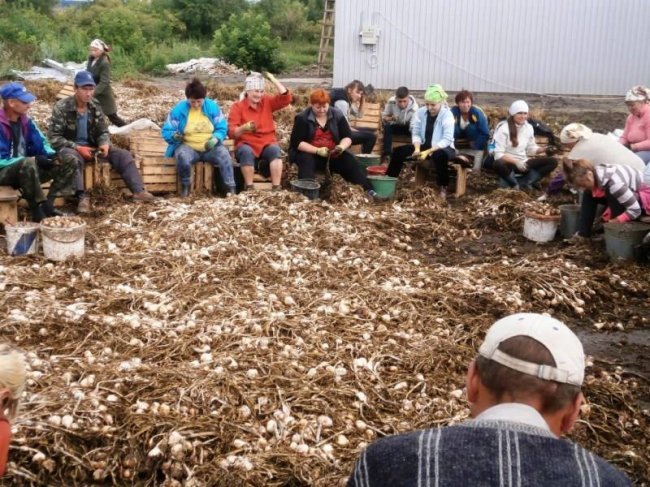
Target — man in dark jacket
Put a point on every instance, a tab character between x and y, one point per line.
78	128
26	158
524	393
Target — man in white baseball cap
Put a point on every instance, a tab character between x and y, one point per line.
524	393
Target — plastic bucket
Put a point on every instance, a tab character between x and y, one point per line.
540	228
376	170
368	160
309	187
569	220
383	185
61	243
621	238
22	238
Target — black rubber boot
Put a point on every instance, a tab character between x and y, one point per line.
185	190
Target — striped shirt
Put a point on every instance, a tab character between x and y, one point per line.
623	183
481	453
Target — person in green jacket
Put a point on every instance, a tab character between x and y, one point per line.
99	64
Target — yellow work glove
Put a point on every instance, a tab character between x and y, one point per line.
269	76
322	152
425	154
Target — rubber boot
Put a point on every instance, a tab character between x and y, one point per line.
185	190
37	211
49	209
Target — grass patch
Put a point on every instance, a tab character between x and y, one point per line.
297	54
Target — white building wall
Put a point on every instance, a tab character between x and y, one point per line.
596	47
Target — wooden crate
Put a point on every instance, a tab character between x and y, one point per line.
8	205
66	91
371	119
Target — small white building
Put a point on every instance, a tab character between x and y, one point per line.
591	47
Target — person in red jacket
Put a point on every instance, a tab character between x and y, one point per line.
251	125
12	384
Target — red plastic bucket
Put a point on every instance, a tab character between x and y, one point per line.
376	170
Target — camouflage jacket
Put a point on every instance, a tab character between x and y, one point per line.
62	131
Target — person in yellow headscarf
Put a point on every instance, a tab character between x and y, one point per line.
432	137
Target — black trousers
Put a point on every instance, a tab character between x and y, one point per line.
439	160
366	137
346	165
589	207
391	129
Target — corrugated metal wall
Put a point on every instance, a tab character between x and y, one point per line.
597	47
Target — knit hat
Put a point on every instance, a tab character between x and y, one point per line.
16	91
99	44
561	342
518	107
575	132
435	94
254	81
638	93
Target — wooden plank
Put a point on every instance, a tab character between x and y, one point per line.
159	178
161	187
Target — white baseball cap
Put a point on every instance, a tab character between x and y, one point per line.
561	342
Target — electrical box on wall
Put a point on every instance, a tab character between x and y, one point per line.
369	35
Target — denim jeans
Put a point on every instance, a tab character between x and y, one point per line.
218	156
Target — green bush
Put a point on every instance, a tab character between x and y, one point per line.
20	31
288	18
247	42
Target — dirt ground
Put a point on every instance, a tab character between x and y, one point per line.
266	340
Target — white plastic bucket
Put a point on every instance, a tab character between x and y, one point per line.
540	229
22	238
63	243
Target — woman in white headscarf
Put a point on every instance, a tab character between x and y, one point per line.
99	64
516	150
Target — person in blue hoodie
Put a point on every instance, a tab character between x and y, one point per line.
26	158
470	122
195	130
432	135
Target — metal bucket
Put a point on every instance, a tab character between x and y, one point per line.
570	215
622	238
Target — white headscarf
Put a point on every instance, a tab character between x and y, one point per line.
517	107
99	44
638	93
575	132
254	81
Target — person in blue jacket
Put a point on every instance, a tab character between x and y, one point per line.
195	130
26	158
432	135
470	123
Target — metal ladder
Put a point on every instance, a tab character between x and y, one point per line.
326	34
